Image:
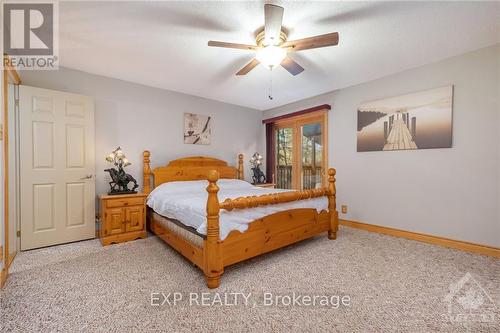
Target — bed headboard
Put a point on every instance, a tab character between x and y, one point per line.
188	168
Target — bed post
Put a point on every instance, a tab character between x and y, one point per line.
332	205
240	167
213	250
146	186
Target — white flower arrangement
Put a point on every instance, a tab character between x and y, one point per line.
118	158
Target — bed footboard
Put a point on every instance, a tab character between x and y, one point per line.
266	234
273	232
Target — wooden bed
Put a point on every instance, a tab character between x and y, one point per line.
263	235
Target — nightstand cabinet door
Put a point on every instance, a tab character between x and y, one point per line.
115	221
135	218
123	218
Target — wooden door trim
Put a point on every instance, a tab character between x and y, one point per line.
324	107
9	75
318	117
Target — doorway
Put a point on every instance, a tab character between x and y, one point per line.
56	167
300	148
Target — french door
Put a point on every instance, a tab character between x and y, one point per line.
301	151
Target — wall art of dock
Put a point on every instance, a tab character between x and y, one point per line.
415	121
397	132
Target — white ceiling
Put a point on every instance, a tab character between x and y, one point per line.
164	44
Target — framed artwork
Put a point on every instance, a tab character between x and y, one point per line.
414	121
197	129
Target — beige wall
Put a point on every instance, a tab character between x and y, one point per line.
138	117
446	192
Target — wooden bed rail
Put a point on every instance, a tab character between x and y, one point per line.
271	199
277	198
214	206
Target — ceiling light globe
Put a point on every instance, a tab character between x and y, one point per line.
271	56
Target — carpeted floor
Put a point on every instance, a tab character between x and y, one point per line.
393	285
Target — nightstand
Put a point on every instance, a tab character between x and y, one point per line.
122	218
266	185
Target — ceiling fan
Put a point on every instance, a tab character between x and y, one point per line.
272	46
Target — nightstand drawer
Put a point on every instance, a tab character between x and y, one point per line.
123	202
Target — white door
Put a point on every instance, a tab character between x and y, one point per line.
57	167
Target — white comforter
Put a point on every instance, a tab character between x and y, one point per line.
186	201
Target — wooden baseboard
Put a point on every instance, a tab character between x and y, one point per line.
3	277
11	258
441	241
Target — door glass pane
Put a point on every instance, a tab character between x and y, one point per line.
312	156
284	157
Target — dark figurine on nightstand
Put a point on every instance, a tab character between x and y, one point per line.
120	179
258	176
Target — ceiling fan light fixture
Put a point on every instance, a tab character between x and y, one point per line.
271	56
272	44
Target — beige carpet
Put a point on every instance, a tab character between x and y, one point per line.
393	284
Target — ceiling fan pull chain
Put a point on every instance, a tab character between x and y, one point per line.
271	84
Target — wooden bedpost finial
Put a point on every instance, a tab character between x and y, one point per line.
331	179
146	187
332	204
240	167
212	250
213	176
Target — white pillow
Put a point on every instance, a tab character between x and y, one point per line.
180	187
233	184
198	186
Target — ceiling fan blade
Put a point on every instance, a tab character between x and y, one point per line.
291	66
273	16
232	45
248	67
312	42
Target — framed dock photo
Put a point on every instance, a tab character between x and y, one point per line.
420	120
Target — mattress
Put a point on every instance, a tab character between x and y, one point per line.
177	228
186	201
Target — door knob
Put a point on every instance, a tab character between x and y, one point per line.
89	176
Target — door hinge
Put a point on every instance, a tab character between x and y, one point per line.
18	233
1	132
